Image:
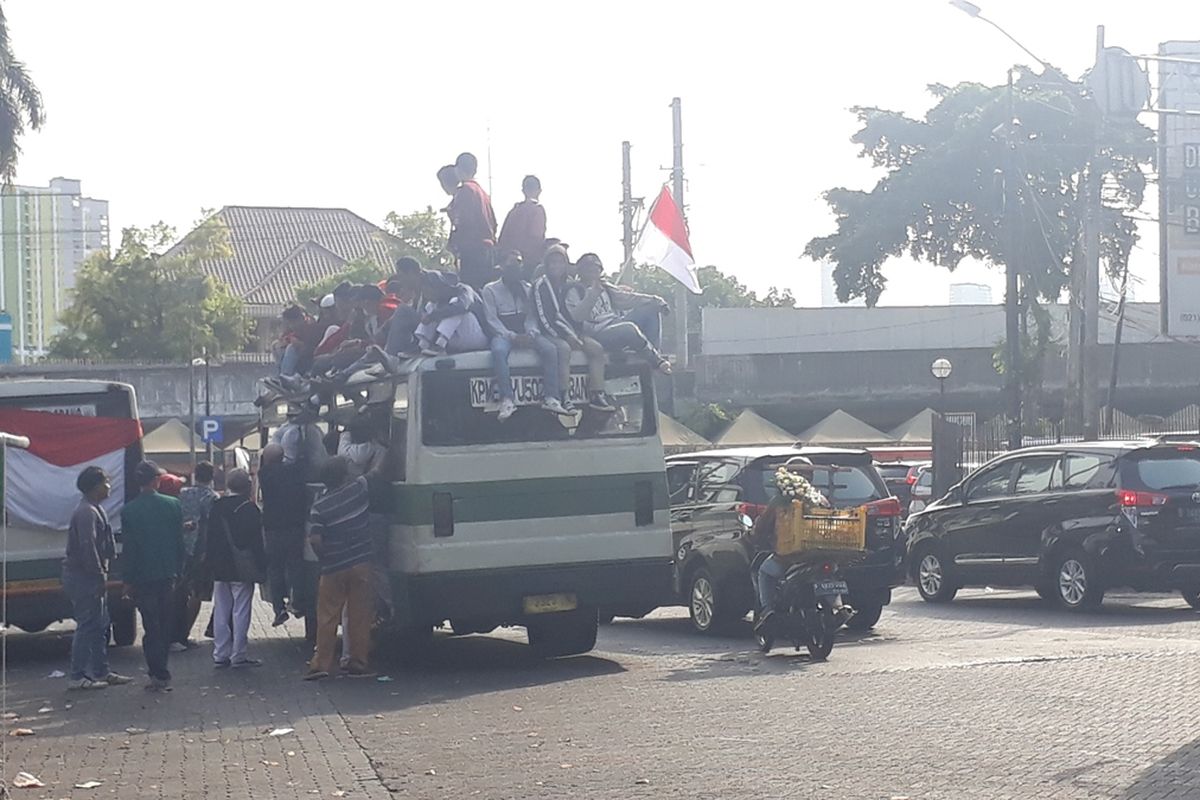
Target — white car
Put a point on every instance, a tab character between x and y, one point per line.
922	490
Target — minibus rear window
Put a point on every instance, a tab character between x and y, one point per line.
458	409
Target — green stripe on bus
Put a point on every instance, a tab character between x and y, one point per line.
534	498
34	570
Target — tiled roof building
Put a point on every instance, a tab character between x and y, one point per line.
277	249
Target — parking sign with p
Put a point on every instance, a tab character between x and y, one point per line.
210	430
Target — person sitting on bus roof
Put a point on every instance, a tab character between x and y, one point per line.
618	318
405	286
452	320
561	329
509	306
294	348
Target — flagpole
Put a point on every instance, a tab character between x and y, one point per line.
681	293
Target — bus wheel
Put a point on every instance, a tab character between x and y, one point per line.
564	634
124	624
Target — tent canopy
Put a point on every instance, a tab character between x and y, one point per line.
171	437
918	430
751	429
842	428
676	434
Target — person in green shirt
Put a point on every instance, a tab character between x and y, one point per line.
152	533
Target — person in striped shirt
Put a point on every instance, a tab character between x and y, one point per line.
340	535
548	293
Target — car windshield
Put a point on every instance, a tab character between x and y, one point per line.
1173	471
893	472
851	485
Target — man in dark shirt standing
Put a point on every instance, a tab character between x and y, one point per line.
90	549
284	511
152	532
525	226
473	223
341	538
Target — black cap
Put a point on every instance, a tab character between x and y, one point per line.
145	472
369	292
344	288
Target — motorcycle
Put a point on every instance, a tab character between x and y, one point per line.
808	605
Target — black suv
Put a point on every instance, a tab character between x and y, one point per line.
1070	520
709	493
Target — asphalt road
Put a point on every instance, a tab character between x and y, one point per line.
993	696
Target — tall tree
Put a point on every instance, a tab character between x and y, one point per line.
140	305
941	196
20	104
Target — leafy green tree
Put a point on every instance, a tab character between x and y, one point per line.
20	104
941	198
140	305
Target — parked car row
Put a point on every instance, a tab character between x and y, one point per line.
1071	521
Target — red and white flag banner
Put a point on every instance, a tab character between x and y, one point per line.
40	481
664	242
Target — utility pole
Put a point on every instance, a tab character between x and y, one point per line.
681	292
1012	317
1091	290
207	400
626	210
192	394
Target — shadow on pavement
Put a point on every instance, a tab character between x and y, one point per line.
1026	608
1177	775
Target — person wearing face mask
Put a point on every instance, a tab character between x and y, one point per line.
620	319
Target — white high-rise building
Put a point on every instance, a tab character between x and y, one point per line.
970	294
46	233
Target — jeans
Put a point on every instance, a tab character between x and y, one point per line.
351	589
285	557
231	620
624	336
89	647
547	352
648	318
770	573
596	360
290	360
154	604
401	330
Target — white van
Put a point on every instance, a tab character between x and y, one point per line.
70	424
538	521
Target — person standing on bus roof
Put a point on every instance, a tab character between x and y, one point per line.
524	228
91	548
508	302
548	292
341	537
152	535
473	235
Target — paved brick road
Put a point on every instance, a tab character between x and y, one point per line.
994	696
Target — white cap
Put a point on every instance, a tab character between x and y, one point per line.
327	301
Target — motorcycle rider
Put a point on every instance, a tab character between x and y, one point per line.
771	571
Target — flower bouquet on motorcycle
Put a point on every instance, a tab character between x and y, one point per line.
804	544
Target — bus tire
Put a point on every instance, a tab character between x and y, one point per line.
566	634
124	624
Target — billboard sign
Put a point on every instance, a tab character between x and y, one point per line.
1179	188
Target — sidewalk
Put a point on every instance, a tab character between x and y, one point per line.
210	737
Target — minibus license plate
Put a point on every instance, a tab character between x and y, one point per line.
550	603
527	391
830	587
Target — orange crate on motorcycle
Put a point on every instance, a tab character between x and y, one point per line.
800	528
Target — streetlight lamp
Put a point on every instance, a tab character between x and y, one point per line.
941	369
974	11
196	362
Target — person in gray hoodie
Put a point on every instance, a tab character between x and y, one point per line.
509	306
618	318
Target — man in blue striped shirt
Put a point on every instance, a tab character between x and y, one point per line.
341	537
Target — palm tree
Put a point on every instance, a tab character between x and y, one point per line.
20	105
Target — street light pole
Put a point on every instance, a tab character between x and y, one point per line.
207	402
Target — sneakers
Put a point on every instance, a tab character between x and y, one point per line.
280	618
763	621
316	675
553	405
360	672
507	409
602	402
247	662
158	685
177	647
221	663
86	684
117	679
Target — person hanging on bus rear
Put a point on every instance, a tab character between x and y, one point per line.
453	318
620	319
548	292
508	302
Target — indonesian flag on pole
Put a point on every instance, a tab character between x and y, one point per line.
40	482
664	242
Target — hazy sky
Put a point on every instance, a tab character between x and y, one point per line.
164	108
